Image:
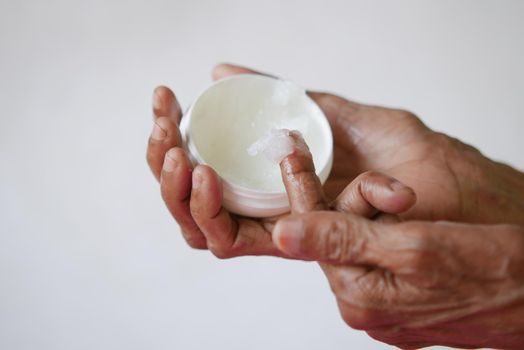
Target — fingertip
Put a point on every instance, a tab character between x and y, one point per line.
165	104
401	198
160	95
374	191
398	186
223	70
220	70
162	91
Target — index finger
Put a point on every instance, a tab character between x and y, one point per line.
165	104
303	187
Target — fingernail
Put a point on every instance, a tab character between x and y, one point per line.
397	186
170	164
288	235
197	179
158	133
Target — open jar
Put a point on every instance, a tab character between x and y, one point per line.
232	114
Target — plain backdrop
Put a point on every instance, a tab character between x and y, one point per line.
90	258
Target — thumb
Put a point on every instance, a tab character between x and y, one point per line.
330	237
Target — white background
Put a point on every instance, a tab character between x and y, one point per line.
90	258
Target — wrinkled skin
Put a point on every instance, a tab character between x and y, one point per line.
409	284
416	284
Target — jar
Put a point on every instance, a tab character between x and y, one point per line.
233	113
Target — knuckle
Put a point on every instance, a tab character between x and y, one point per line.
337	281
220	252
418	236
346	241
167	125
389	337
359	318
408	119
416	260
352	321
450	146
195	242
335	248
407	116
195	206
419	248
370	290
442	140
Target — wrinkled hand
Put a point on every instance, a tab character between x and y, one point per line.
416	284
194	196
412	284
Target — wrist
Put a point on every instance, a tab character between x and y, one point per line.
499	329
490	192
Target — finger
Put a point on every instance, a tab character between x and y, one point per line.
224	70
175	186
372	192
165	135
302	184
330	237
165	104
226	237
409	249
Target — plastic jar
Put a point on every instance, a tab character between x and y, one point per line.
232	114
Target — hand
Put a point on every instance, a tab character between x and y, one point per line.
416	284
194	196
412	284
453	181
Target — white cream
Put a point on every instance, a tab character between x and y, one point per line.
275	145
